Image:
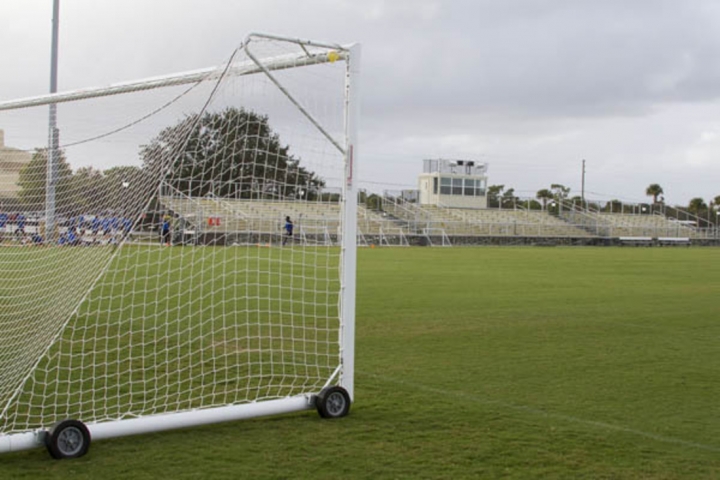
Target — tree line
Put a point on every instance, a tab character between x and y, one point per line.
549	198
234	152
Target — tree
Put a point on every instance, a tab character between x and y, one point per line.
697	205
494	194
532	205
87	186
508	198
654	190
560	192
544	195
613	206
126	189
374	202
229	153
33	182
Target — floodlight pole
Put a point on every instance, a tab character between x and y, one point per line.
582	195
53	133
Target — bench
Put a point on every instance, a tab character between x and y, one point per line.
673	240
646	241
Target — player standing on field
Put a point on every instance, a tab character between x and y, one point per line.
165	230
288	230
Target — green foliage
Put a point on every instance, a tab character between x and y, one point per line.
498	196
88	190
697	205
530	204
560	192
33	182
126	188
613	206
654	190
544	196
494	195
230	153
374	202
87	185
508	198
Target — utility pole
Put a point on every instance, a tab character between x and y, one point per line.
53	153
582	194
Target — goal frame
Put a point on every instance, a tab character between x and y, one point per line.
343	375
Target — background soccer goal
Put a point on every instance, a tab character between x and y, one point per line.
181	250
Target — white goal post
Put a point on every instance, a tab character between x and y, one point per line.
146	281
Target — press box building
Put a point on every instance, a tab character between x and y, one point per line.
453	183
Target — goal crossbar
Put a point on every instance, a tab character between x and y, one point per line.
249	67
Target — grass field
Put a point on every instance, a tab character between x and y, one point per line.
486	363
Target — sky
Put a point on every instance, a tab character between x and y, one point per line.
531	87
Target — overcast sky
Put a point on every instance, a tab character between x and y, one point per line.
531	87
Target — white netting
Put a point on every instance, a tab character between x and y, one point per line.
166	279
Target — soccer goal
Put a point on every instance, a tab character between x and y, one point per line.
146	283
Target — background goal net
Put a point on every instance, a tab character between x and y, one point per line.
189	246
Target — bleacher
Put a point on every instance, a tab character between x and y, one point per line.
634	225
487	222
319	220
403	220
230	215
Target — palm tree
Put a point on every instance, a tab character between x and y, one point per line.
494	195
544	195
654	190
696	205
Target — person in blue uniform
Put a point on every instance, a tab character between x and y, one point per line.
288	230
20	219
95	224
165	230
3	224
106	226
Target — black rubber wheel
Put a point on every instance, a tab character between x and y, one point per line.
333	402
68	439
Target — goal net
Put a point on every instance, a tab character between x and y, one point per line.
151	262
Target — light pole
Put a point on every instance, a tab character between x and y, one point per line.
582	194
53	133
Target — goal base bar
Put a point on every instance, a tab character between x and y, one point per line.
168	421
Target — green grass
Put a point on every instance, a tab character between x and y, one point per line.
165	329
486	363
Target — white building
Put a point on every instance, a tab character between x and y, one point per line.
453	183
12	161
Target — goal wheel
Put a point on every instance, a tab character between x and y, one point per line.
68	439
333	402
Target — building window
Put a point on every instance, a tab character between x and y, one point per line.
457	186
480	188
469	187
445	186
